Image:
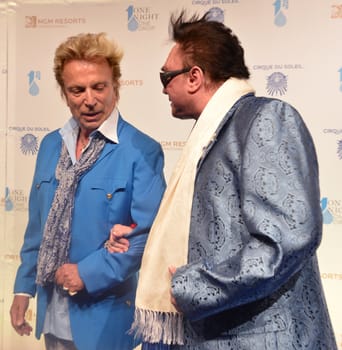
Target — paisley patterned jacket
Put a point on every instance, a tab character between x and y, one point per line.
252	280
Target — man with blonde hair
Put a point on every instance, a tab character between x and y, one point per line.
95	171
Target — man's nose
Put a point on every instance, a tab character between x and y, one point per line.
90	99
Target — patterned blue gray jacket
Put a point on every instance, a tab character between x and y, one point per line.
252	279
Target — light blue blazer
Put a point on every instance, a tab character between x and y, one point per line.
252	280
124	186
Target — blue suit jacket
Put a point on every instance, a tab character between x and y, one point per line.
252	279
125	185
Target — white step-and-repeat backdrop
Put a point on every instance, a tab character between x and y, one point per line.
294	52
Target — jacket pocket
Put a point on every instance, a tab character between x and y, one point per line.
109	186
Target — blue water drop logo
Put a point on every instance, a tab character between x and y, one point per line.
33	86
279	16
280	19
8	201
133	24
327	217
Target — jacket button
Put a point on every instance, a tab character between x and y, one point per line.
109	196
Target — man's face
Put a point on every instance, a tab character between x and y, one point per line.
176	88
89	92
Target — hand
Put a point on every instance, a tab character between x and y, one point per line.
172	271
117	243
68	278
18	309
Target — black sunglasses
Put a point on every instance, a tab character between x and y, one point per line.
166	77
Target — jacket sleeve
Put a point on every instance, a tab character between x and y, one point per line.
147	190
26	274
43	180
279	209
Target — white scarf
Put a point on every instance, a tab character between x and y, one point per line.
156	319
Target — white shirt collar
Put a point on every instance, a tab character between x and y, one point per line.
108	129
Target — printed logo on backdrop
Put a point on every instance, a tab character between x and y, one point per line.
172	145
327	216
331	211
14	200
280	7
214	2
340	71
8	203
277	82
339	149
29	144
33	76
141	18
30	21
131	82
332	276
28	141
339	142
336	11
53	22
216	14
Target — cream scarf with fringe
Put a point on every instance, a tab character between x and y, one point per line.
156	319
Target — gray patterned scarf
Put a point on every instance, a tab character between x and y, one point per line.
54	249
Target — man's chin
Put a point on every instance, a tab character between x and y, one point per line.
182	116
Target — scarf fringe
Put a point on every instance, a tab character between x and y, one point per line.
158	327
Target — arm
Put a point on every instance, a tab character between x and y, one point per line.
146	191
41	196
67	276
279	219
117	243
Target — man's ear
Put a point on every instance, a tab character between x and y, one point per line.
64	96
195	78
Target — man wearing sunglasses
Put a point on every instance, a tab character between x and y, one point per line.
232	252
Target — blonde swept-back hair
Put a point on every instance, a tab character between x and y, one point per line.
88	47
